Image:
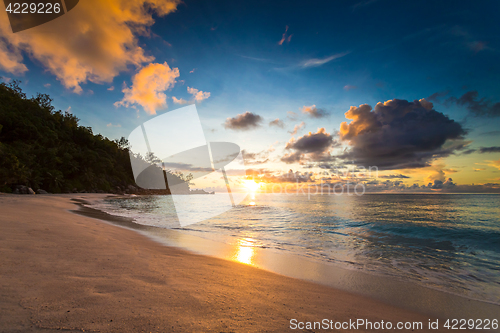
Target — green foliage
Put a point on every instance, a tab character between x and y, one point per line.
48	149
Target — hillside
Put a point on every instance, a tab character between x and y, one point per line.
47	149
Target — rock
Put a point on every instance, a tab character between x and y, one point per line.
132	189
40	191
21	189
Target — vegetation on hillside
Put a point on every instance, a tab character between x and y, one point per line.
47	149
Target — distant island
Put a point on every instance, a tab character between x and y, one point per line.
46	151
200	191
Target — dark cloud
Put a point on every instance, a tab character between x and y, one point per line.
438	184
312	142
492	133
243	122
437	96
255	158
292	158
483	150
469	151
399	134
489	150
479	107
277	122
314	112
314	147
400	176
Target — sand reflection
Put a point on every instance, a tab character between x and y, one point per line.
245	251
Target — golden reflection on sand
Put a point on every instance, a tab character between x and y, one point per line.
245	251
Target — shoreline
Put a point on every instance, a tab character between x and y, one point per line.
397	292
66	271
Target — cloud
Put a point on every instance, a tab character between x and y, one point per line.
148	86
467	39
348	87
111	125
285	37
111	88
483	150
181	101
400	176
437	96
10	56
291	115
495	164
439	184
438	173
314	112
198	95
399	134
489	149
297	128
277	122
192	71
81	46
255	158
243	122
287	177
478	107
363	4
47	85
491	133
316	62
314	147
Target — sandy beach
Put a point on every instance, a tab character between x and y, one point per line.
63	271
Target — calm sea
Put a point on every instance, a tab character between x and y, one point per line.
449	242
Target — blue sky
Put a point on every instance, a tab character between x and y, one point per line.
334	55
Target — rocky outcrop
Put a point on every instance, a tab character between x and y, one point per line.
21	189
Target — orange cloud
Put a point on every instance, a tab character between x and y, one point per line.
314	112
10	59
283	38
198	95
495	164
181	101
297	128
93	42
148	86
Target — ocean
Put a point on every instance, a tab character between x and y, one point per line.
448	242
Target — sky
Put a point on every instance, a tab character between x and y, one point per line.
307	90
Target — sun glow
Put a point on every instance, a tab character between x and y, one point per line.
245	251
251	185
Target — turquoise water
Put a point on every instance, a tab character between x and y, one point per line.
449	242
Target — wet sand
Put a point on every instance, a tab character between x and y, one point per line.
63	271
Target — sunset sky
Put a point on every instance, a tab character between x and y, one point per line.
409	87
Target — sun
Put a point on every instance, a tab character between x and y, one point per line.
251	185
